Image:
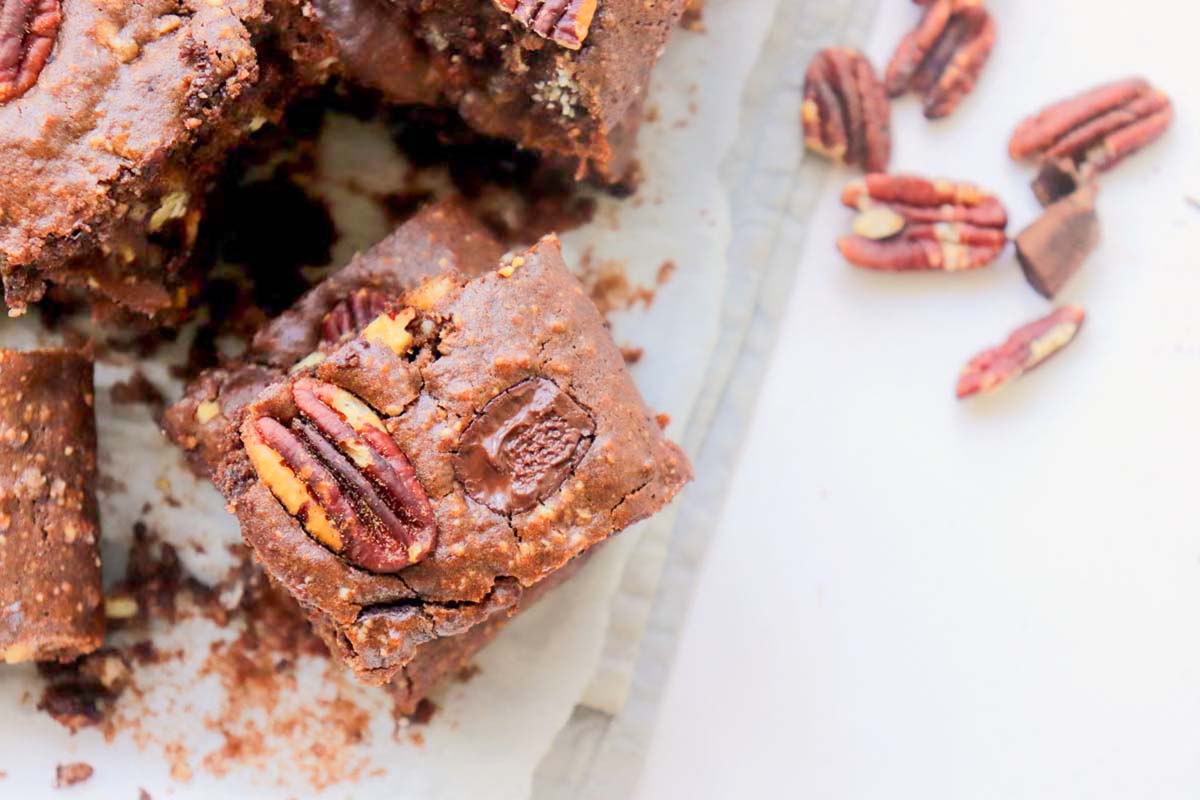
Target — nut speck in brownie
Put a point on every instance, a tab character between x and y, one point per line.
410	483
50	594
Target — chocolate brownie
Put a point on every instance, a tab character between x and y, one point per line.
114	120
566	78
440	238
411	483
51	604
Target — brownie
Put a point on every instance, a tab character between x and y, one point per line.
51	603
515	69
440	238
411	483
116	126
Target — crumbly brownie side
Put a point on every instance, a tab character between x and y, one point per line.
515	441
440	238
106	157
582	106
50	593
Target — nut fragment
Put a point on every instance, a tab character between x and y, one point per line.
1077	138
565	22
353	314
28	29
337	469
846	115
942	57
1025	348
911	223
522	445
1055	245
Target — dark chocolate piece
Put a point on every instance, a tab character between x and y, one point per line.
523	355
51	603
522	445
1056	179
1055	245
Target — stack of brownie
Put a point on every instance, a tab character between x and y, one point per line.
423	443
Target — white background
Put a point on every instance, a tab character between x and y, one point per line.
910	596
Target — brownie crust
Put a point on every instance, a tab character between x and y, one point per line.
51	603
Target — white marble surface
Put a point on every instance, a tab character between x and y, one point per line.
912	597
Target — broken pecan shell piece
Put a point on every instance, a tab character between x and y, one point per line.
846	114
1027	347
564	22
941	58
338	469
908	223
1079	137
28	29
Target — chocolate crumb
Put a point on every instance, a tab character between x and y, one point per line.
631	354
426	708
137	389
70	774
465	674
83	693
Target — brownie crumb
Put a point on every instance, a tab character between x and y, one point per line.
468	672
631	354
137	389
84	692
426	708
144	795
70	774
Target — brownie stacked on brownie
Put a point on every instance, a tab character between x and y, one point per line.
417	477
118	119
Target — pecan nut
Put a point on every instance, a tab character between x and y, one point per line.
846	114
337	469
564	22
522	445
911	223
1078	138
353	313
28	29
1025	348
942	57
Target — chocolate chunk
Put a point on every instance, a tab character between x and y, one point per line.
522	445
1056	244
1055	180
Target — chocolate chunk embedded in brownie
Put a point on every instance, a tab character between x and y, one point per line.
566	79
441	238
108	145
469	443
51	604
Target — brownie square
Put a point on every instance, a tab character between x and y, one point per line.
116	127
411	483
51	602
565	79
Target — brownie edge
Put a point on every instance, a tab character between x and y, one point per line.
51	602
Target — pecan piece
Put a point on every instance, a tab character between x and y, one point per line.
338	470
564	22
911	223
522	445
353	314
1055	245
1025	348
942	57
28	29
1078	138
846	114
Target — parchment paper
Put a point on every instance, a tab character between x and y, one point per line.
491	731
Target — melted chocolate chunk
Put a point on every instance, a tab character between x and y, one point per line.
522	445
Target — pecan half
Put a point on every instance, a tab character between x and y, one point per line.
28	29
1078	138
337	469
1025	348
942	57
353	314
911	223
846	114
564	22
522	445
